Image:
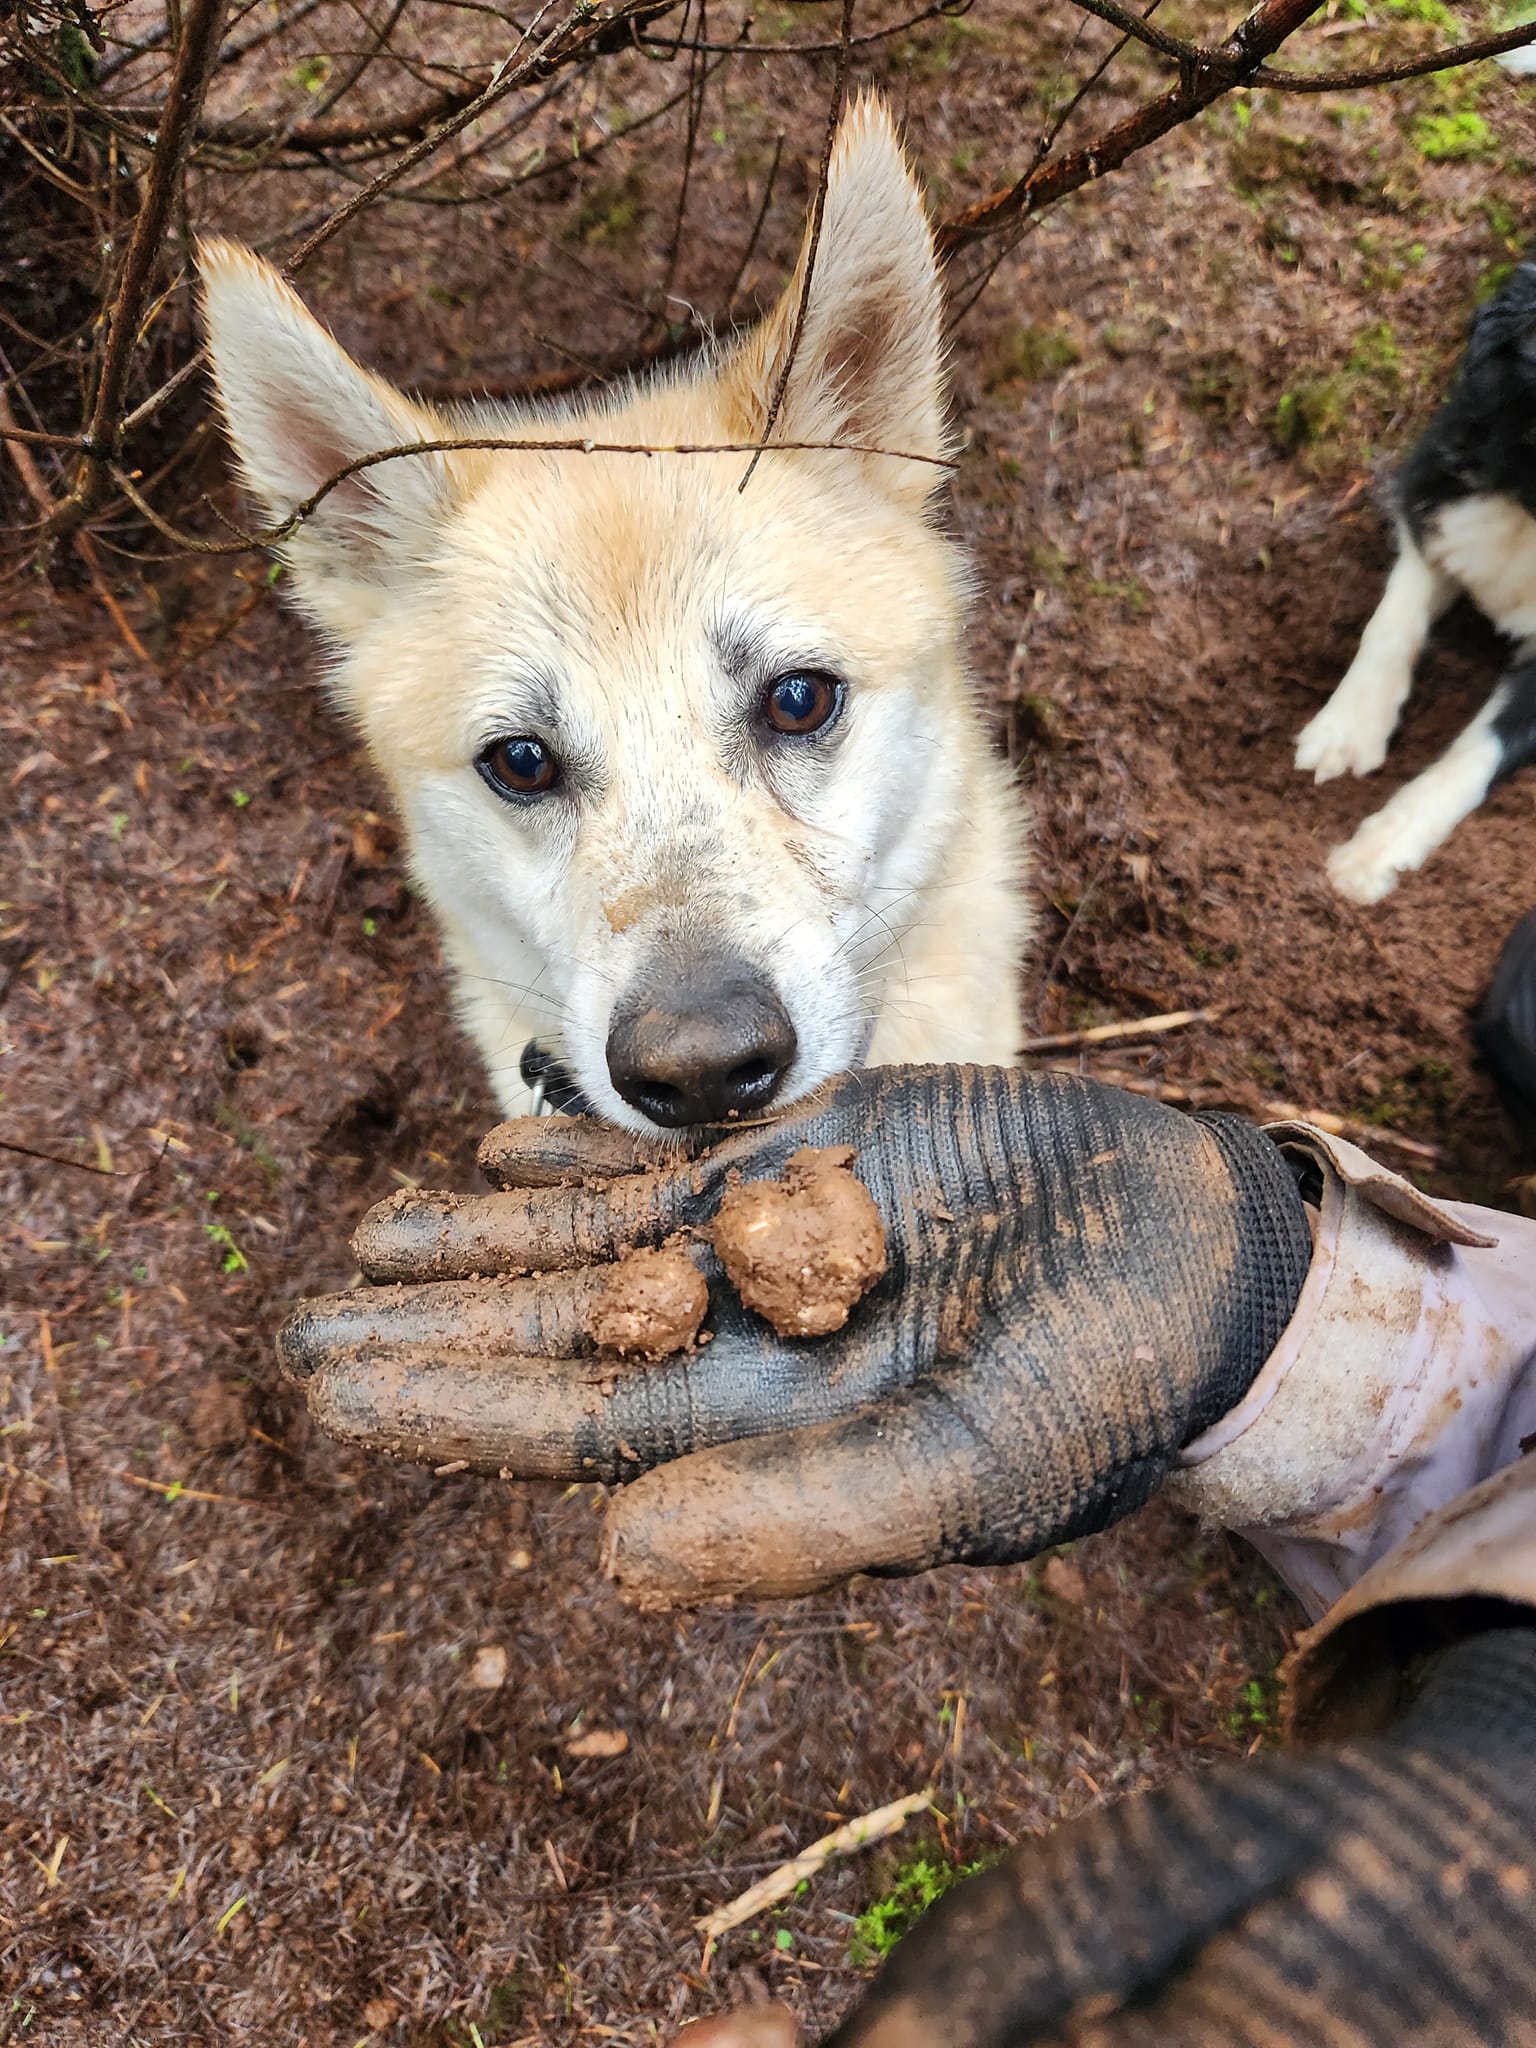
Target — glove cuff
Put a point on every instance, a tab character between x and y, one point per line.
1391	1390
1274	1253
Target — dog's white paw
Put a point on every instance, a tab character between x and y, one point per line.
1342	740
1366	868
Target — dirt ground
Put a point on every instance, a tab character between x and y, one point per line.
251	1790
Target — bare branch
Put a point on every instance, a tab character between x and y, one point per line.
1204	79
273	536
202	22
1394	74
813	238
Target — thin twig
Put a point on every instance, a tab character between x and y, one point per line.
1370	1136
58	1159
1394	74
757	228
854	1834
812	241
175	1491
583	35
273	535
1120	1034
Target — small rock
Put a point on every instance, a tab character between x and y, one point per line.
380	2013
488	1672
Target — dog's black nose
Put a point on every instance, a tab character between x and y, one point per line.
711	1045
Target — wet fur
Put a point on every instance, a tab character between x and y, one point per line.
630	610
1466	510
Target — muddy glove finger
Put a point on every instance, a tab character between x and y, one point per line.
581	1417
413	1236
546	1317
560	1151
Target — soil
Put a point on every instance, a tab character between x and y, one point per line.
651	1306
802	1249
254	1789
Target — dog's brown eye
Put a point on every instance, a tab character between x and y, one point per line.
802	702
519	767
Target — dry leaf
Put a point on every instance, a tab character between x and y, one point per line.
1066	1582
597	1742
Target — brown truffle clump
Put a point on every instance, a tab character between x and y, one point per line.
651	1305
802	1249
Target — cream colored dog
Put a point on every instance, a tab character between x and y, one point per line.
691	774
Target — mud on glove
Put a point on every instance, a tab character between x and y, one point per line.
1079	1282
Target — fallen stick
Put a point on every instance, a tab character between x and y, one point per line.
1370	1136
175	1491
1110	1034
1358	1133
778	1884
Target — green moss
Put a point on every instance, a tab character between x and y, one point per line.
611	208
915	1887
936	55
1375	354
1463	137
1492	281
1031	355
1219	386
1311	411
1435	12
1122	590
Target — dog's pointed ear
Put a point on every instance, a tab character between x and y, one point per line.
298	409
869	367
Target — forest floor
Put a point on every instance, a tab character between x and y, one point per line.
250	1790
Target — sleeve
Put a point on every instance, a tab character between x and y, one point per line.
1468	1568
1406	1375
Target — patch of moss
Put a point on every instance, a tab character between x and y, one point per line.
1124	590
935	55
1031	355
915	1887
611	208
1219	386
1462	137
1435	12
1311	411
1375	355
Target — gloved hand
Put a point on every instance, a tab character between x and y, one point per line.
1380	1892
1079	1281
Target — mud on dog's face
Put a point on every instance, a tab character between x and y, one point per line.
673	756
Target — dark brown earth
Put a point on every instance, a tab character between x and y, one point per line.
652	1303
256	1787
802	1249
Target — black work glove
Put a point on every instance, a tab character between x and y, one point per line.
1382	1892
1079	1282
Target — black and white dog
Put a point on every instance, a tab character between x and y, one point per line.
1466	518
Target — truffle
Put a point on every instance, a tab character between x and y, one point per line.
651	1305
802	1249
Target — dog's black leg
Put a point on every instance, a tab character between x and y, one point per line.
1514	722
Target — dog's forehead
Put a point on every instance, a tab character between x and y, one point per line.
591	555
